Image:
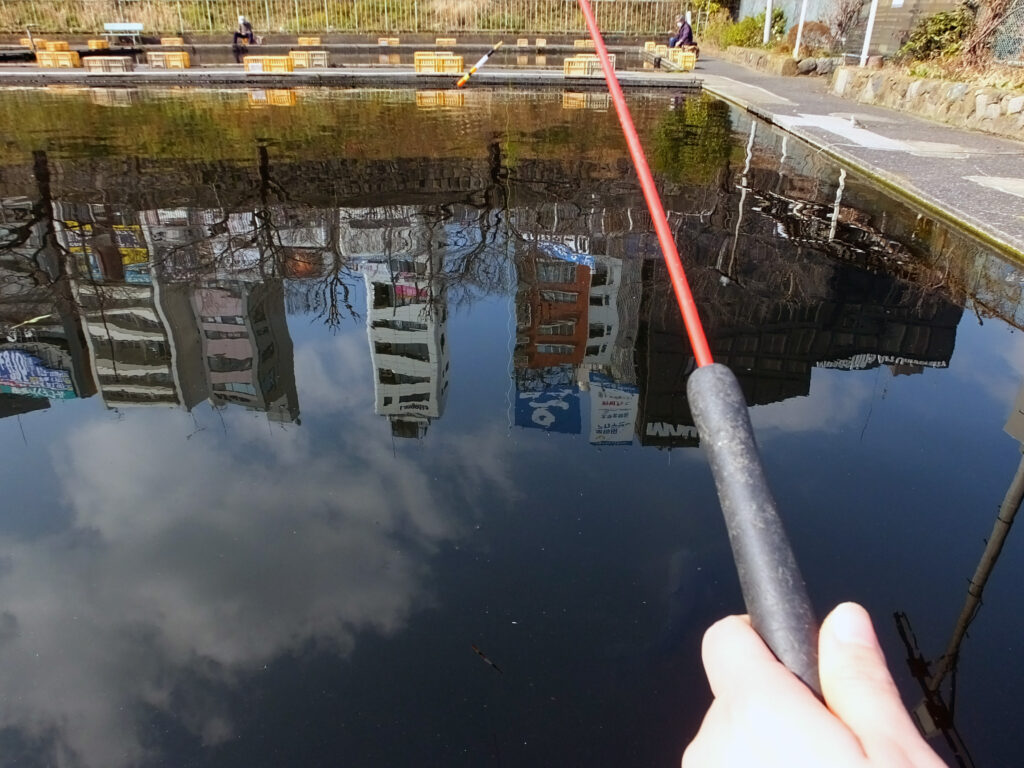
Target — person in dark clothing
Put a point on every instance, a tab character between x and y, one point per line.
683	35
244	34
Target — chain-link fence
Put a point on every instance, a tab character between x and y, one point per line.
640	17
1008	46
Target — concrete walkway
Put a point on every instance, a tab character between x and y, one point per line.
975	179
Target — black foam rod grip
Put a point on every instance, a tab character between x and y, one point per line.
773	589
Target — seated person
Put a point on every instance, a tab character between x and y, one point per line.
244	33
244	37
684	34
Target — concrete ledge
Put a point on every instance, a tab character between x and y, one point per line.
232	75
958	104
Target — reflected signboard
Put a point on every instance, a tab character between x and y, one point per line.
613	409
22	373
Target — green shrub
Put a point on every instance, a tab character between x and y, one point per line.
939	35
749	32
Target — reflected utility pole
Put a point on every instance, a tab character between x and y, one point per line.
932	714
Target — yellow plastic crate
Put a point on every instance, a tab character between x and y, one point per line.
387	41
427	99
308	59
445	41
108	64
541	42
541	60
441	61
661	50
523	42
172	41
34	42
389	58
268	64
522	60
595	101
58	59
650	45
584	43
56	45
168	60
274	97
309	41
584	66
98	44
449	64
685	59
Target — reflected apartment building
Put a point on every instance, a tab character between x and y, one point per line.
407	313
167	320
42	349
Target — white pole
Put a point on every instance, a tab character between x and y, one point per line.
867	33
800	30
767	22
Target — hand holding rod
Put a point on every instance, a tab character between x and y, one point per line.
773	588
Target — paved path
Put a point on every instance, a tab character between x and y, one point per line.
974	178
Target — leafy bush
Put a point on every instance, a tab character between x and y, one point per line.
749	32
939	35
722	32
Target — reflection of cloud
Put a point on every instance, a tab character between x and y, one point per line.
985	345
191	564
835	400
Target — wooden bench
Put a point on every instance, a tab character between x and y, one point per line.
117	30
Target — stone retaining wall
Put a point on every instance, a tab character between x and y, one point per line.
778	63
959	104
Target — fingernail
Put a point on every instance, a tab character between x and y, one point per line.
850	623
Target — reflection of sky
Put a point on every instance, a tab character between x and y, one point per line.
208	556
163	565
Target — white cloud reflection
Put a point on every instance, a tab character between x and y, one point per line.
191	563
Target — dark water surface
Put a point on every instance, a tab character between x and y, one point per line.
305	402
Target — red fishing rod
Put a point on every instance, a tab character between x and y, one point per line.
773	589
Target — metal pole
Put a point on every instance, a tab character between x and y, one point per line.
867	33
209	15
835	210
1007	511
297	27
355	12
800	29
266	9
181	24
327	18
767	22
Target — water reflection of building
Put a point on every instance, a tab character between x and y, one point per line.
246	349
407	316
42	351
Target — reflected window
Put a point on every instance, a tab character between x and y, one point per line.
225	364
560	328
556	272
412	351
241	387
387	376
556	349
560	297
423	397
400	325
218	335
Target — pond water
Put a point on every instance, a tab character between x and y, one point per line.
310	396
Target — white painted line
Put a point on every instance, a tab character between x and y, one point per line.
1009	185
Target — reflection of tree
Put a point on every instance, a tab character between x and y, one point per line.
693	140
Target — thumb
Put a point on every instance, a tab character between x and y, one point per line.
859	690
